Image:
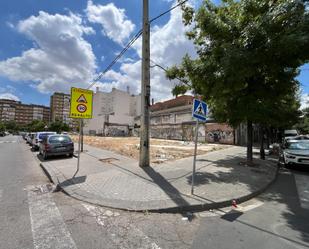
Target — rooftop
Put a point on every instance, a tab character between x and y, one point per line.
176	102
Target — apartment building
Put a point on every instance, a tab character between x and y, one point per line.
113	112
60	107
22	114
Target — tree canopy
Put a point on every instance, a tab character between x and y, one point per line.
248	55
58	126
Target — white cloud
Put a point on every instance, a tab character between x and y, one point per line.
62	57
115	24
304	101
9	96
168	45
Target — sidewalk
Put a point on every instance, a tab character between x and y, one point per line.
108	179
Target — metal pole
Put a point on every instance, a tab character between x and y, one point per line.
145	90
79	145
194	158
82	135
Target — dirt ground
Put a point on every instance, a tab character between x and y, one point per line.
160	150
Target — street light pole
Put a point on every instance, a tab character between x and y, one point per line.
145	89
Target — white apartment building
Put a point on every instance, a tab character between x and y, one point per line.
113	112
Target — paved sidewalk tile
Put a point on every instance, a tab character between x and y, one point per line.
108	179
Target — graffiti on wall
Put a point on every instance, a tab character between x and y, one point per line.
220	136
116	131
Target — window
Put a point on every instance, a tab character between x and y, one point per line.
59	139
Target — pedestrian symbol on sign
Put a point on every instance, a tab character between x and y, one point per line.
199	110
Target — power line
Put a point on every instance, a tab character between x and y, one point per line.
130	43
169	10
164	69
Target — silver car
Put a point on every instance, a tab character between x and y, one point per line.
295	152
56	145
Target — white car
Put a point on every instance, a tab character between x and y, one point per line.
294	152
39	137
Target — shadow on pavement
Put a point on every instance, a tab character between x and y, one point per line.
232	164
53	158
168	188
287	193
73	181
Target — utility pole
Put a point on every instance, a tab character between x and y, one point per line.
145	88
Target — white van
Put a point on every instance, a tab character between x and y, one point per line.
290	133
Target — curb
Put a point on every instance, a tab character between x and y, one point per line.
179	209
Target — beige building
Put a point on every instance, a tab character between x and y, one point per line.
60	107
22	114
173	111
113	113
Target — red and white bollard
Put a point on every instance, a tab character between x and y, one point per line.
234	204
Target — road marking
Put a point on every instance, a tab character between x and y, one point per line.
102	216
243	207
48	227
302	185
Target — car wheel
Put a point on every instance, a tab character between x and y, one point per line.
71	155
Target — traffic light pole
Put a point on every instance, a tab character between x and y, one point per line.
145	89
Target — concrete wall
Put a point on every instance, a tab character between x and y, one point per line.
212	132
219	133
115	130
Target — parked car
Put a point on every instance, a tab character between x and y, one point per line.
39	137
30	138
2	133
294	152
56	145
301	137
290	133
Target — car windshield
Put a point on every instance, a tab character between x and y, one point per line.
42	135
298	145
59	139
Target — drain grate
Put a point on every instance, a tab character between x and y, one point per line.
108	160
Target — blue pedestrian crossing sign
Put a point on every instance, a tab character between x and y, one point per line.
199	110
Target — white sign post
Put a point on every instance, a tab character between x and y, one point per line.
199	111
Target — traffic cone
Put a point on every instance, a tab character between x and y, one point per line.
234	204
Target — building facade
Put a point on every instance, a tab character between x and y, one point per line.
172	119
22	114
60	108
113	113
173	111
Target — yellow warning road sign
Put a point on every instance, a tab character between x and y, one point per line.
81	103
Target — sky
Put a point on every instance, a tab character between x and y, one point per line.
49	46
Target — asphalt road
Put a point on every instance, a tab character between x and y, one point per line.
31	216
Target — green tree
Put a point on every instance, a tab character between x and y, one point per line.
36	125
2	127
249	52
58	126
11	126
179	90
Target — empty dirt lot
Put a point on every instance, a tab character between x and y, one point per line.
160	150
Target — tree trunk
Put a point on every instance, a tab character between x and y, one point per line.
262	151
249	143
268	138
